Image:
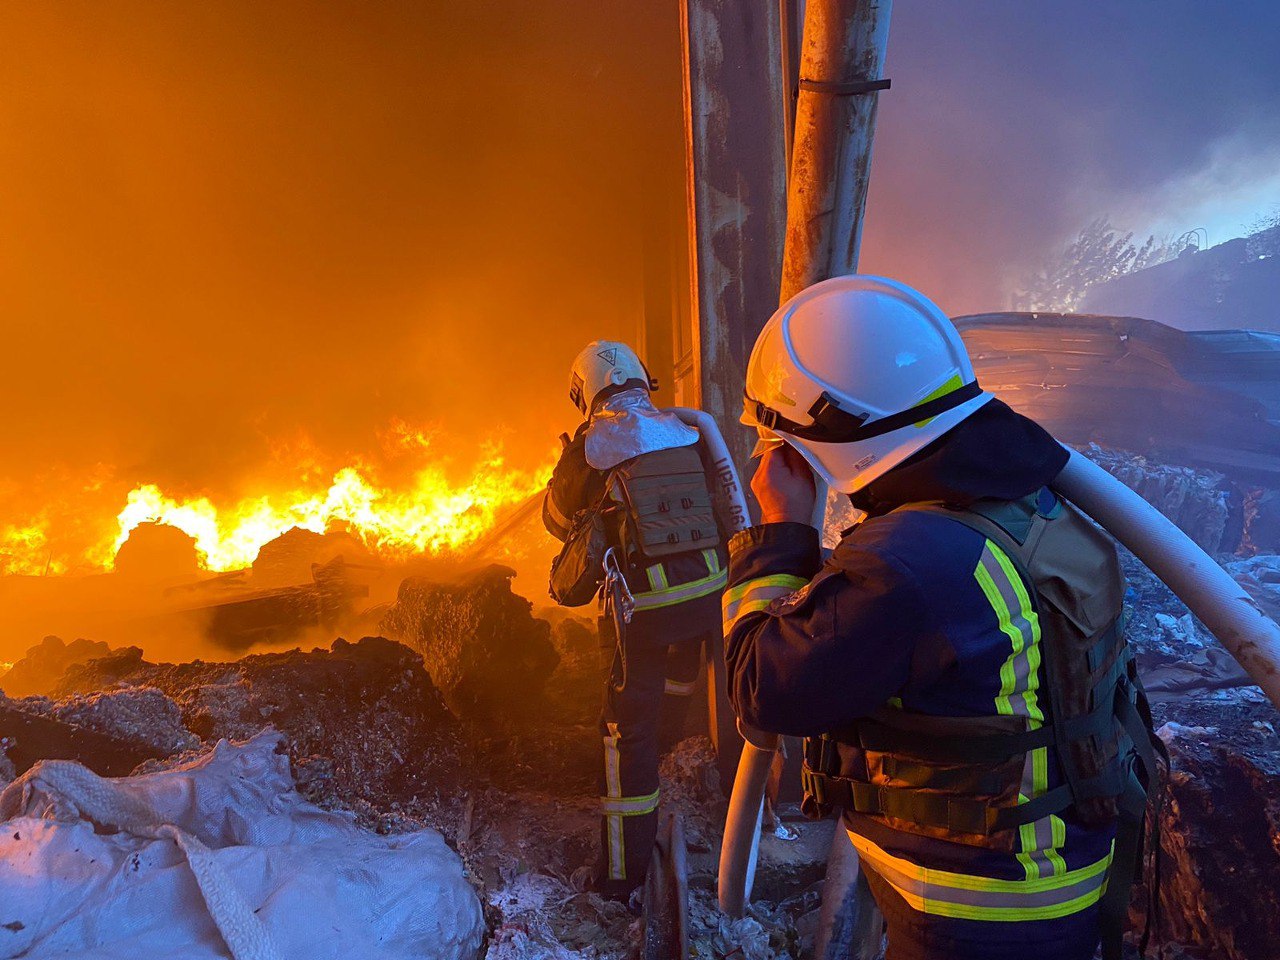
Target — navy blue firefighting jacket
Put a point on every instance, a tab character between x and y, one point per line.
919	612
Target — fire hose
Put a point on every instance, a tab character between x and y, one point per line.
1209	592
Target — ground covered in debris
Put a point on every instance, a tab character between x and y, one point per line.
478	718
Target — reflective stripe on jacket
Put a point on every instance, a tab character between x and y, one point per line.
916	612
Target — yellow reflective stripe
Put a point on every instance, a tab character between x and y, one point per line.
1028	618
752	596
682	592
1019	674
629	806
613	822
678	688
657	575
713	560
963	896
951	386
772	580
1019	685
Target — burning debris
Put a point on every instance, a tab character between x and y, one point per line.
478	640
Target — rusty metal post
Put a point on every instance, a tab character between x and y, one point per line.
735	137
735	143
841	68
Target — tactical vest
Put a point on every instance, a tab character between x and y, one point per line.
960	778
667	501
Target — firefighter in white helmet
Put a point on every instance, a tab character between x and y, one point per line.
642	474
958	663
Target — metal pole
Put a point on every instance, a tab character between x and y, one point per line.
736	142
841	72
736	163
841	68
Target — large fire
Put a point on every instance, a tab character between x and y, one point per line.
430	512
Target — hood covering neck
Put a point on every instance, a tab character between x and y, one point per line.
627	425
996	454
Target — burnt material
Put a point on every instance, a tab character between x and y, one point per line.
364	721
1220	830
44	664
28	737
488	654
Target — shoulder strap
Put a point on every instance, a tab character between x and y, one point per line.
1013	525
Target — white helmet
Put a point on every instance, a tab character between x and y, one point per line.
858	373
600	365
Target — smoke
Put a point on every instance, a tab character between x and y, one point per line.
1011	125
227	224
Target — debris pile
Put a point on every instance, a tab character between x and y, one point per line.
479	642
44	664
1202	503
365	724
1220	827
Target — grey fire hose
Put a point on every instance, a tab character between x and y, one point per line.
1198	581
731	492
1209	592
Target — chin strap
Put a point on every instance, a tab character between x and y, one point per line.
834	425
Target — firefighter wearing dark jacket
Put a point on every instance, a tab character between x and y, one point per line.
649	467
958	661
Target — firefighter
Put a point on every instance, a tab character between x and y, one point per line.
648	471
958	662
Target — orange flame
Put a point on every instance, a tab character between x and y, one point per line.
432	515
26	550
431	510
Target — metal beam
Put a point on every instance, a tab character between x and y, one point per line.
735	138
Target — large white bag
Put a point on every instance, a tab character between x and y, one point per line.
219	858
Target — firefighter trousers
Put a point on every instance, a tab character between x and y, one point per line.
913	935
646	706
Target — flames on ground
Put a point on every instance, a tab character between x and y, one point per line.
415	497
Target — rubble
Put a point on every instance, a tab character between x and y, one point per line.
43	665
479	641
141	715
1202	503
365	723
1260	576
1220	827
30	731
291	557
158	553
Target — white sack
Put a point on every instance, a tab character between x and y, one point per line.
278	876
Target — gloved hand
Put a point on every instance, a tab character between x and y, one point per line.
783	484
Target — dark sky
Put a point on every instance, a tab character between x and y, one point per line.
1011	124
238	228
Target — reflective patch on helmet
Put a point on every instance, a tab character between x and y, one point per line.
767	371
